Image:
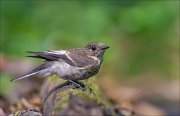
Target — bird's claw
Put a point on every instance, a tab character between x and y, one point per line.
77	84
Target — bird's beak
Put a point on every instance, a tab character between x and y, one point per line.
105	47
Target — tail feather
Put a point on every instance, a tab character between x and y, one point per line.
35	71
25	76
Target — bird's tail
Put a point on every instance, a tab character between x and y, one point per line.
35	71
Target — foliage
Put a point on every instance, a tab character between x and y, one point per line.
140	33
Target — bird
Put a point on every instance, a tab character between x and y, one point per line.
70	64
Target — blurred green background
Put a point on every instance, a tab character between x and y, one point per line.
143	37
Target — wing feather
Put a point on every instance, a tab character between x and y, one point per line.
82	60
44	55
73	59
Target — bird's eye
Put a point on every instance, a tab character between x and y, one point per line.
93	48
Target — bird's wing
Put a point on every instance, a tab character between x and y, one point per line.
82	60
77	60
50	55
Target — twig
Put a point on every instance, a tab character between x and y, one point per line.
54	89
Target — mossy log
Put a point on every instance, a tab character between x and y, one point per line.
69	100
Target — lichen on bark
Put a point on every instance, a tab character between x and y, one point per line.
60	98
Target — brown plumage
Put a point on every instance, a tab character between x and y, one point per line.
70	64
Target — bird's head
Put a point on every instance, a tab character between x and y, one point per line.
96	49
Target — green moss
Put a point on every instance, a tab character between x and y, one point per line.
62	99
91	91
53	78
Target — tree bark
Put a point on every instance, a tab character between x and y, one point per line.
69	100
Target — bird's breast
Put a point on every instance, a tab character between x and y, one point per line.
66	71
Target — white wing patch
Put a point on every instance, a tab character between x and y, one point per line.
58	52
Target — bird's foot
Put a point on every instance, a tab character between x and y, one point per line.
77	84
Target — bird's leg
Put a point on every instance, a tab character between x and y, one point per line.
80	83
77	84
